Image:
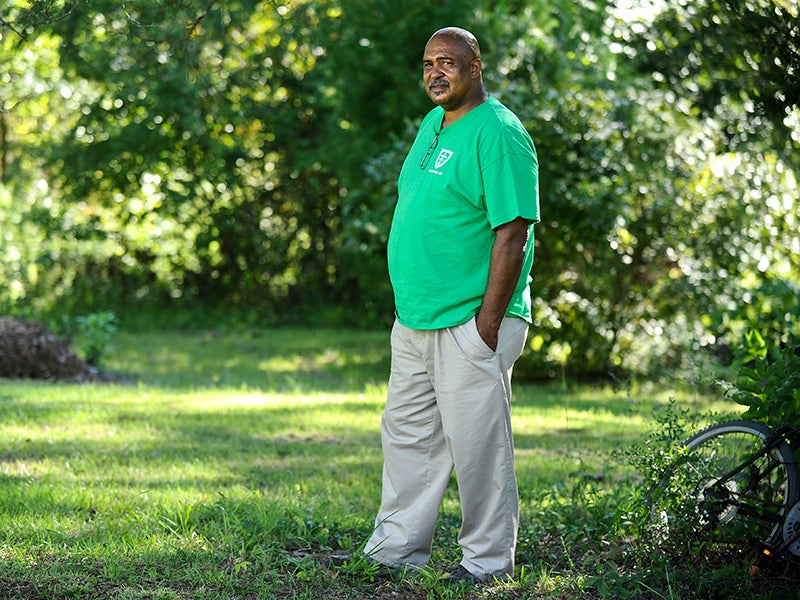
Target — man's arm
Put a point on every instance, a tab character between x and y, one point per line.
505	266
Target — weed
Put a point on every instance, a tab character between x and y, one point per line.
96	330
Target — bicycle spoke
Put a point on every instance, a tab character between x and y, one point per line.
735	484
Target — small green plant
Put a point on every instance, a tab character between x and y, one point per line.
96	330
767	383
665	505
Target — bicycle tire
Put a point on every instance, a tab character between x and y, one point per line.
690	504
752	503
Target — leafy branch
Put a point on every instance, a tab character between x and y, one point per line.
768	386
36	14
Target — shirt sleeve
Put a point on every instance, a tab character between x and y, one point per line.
511	180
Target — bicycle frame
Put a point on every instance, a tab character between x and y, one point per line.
781	435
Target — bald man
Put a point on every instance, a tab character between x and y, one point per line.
460	254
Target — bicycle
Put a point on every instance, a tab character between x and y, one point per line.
739	481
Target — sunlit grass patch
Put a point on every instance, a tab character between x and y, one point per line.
232	463
283	360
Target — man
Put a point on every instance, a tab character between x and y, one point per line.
460	252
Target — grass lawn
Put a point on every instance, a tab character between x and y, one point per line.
231	464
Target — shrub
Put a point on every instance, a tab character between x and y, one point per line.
767	383
96	330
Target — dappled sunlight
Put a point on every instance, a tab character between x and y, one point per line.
197	440
222	174
231	399
561	434
173	468
280	361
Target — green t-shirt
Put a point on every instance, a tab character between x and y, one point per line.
456	186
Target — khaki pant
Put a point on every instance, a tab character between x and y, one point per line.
449	407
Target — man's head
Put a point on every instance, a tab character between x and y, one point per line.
451	66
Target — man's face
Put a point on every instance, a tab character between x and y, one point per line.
449	72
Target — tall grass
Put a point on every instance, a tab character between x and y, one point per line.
230	464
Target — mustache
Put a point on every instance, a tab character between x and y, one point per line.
438	82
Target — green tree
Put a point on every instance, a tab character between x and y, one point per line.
732	67
720	52
204	153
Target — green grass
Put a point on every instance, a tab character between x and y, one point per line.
230	464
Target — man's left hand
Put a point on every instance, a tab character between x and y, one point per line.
487	329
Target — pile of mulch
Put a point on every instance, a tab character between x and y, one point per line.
29	351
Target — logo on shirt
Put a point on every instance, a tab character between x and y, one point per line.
444	156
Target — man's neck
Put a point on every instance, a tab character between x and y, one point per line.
451	116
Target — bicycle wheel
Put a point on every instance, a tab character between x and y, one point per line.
733	484
744	486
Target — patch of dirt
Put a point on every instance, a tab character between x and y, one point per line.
29	351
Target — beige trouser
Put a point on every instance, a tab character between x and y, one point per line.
449	407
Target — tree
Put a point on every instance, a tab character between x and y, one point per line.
201	153
720	52
733	67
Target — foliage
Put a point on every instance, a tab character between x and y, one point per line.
666	508
241	157
243	459
726	52
96	331
767	382
675	536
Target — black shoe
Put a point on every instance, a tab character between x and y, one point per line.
460	574
337	560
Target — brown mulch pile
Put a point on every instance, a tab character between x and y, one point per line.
29	351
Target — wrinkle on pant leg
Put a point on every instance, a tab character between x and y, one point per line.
417	466
474	393
449	403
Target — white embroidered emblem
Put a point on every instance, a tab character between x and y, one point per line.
444	156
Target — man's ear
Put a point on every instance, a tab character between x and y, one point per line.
475	68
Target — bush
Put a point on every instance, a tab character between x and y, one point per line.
767	383
96	330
